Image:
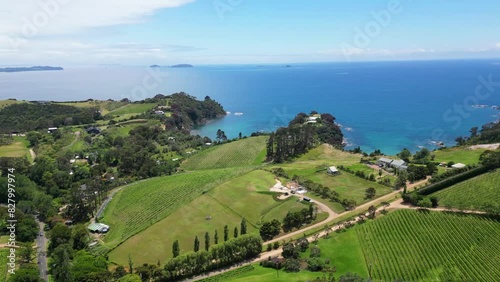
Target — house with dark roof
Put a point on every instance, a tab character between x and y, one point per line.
93	130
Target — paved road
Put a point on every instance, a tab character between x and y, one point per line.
41	242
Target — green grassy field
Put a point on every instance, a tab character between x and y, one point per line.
346	184
473	194
133	109
458	155
18	148
431	246
245	152
228	203
313	164
142	204
4	103
3	264
343	250
123	130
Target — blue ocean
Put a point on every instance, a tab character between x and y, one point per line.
380	105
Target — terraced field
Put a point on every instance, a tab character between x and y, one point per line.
245	152
474	194
142	204
413	245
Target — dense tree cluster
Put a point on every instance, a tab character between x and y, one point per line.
489	133
26	117
297	219
299	137
188	112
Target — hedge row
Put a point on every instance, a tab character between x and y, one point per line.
453	180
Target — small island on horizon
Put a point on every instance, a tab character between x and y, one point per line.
34	68
174	66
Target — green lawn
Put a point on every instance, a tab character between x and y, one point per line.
346	184
18	148
134	208
458	155
246	152
474	194
416	245
246	196
342	249
133	109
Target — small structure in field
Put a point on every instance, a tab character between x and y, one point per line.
333	170
459	165
98	228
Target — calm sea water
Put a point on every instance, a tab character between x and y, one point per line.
381	105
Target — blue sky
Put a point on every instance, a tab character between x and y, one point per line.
141	32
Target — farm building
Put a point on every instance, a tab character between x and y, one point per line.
333	170
51	129
384	162
98	228
398	164
93	130
159	112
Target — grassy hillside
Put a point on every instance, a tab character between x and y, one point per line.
313	166
18	148
245	152
133	109
242	197
4	103
473	194
458	155
431	246
144	203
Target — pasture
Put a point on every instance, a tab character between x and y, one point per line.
4	103
144	203
413	245
246	196
346	184
458	155
245	152
133	109
474	194
18	148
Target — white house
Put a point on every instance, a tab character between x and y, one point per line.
311	119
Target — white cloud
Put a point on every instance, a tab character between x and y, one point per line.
497	45
29	18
